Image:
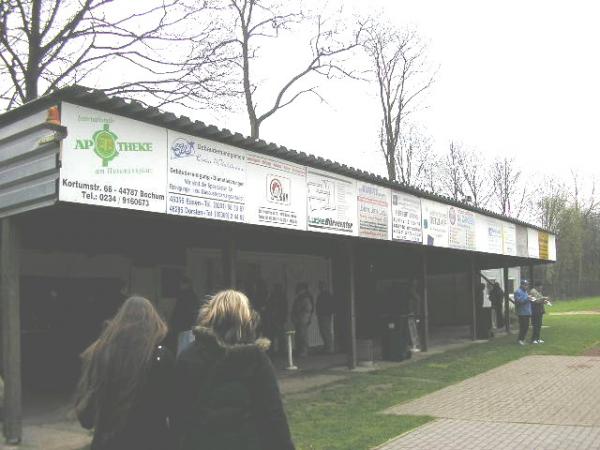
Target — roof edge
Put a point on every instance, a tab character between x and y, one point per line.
97	99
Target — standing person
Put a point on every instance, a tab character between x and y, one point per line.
301	315
227	395
414	311
537	312
276	316
523	305
184	315
123	393
325	313
497	299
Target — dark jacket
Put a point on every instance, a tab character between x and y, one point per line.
227	397
147	425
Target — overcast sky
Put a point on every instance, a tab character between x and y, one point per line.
516	77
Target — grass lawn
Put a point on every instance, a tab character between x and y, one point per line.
344	415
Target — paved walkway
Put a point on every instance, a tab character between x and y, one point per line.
541	402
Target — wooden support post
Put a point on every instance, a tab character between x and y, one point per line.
506	301
425	344
11	330
229	262
352	307
474	281
531	275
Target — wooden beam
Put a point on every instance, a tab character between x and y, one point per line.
506	301
11	330
425	344
474	281
352	306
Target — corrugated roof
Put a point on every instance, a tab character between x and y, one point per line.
97	99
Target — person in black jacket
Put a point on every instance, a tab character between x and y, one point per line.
226	393
184	315
126	376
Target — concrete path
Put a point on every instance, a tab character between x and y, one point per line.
540	402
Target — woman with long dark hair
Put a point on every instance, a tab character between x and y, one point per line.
126	376
227	397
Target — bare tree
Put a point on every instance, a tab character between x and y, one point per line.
45	44
475	175
413	157
510	192
551	199
399	63
257	20
583	194
452	182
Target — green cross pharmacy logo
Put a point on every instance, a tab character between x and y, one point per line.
106	145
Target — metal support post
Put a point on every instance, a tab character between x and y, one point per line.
473	297
352	309
289	334
11	330
229	262
425	345
506	301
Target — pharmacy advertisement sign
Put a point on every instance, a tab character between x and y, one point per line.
109	160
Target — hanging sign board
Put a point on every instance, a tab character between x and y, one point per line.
533	243
551	247
543	245
522	247
461	229
331	203
206	179
109	160
277	192
373	211
509	239
435	223
489	235
406	218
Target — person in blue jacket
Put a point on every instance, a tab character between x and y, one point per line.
523	306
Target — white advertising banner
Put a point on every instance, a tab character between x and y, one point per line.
406	218
206	179
331	203
276	192
522	246
435	223
489	235
461	229
551	247
109	160
509	238
373	211
533	247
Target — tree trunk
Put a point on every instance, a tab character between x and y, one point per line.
391	164
254	124
32	73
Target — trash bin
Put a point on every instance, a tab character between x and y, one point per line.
394	345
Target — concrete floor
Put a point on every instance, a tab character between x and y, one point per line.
49	422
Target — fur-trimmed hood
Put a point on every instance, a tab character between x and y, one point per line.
227	396
207	335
